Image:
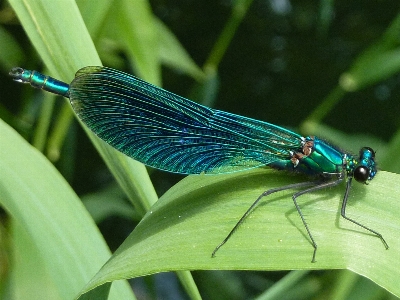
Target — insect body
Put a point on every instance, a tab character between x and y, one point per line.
172	133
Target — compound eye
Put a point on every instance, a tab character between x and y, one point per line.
363	149
361	174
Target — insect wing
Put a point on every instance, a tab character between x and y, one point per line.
169	132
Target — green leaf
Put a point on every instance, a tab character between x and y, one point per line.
29	269
100	205
387	162
11	53
38	197
42	19
173	54
94	14
137	33
59	35
371	68
377	63
192	218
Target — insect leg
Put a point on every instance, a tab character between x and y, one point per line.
264	194
343	213
309	190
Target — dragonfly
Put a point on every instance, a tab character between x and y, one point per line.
171	133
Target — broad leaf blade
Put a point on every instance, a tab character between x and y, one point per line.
40	199
193	217
41	19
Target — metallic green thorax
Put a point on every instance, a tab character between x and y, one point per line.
324	159
317	157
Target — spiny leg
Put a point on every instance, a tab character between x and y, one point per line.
343	213
309	190
264	194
